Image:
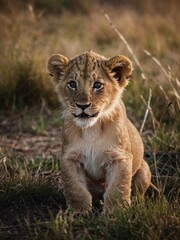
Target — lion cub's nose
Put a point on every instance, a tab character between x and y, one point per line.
83	106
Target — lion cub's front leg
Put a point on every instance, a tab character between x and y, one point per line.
118	177
77	196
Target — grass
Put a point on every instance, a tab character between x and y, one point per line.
32	205
31	193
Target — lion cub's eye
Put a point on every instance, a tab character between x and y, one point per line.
72	85
97	85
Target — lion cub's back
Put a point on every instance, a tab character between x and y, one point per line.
137	147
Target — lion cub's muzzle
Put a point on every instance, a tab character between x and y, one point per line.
85	111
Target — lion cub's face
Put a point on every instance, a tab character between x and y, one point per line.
89	85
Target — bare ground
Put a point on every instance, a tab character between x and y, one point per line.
20	138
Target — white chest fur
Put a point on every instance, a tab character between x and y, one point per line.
93	146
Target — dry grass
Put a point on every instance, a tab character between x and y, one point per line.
30	35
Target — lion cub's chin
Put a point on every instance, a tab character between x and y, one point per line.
85	122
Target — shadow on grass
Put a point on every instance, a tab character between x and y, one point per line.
27	202
32	207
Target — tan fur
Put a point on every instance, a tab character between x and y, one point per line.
102	150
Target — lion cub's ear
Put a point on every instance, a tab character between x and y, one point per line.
56	65
120	67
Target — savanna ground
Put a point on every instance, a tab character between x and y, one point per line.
31	199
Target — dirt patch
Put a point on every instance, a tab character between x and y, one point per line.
20	136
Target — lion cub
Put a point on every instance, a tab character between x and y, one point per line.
102	150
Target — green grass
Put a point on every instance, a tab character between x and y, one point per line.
137	222
32	204
35	208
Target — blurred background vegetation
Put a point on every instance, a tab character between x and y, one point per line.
33	30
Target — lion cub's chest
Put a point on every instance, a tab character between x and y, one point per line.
93	146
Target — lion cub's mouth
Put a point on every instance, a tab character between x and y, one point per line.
85	115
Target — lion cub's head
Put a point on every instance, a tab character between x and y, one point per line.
89	86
